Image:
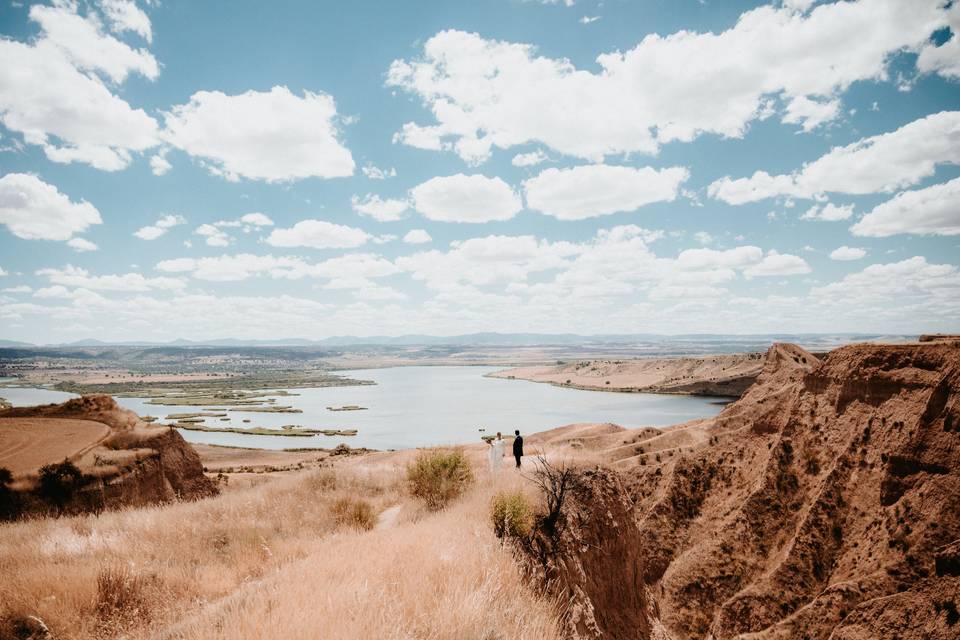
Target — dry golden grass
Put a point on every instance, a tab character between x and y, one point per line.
270	560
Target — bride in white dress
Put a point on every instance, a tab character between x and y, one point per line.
497	447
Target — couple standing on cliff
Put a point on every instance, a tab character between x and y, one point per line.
497	447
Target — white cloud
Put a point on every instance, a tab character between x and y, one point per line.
88	48
847	253
125	15
160	227
934	210
595	190
486	94
810	114
486	260
318	234
52	92
462	198
274	136
880	163
589	19
376	173
529	159
3	273
18	289
357	268
214	236
256	219
159	165
81	245
828	212
388	210
417	236
737	258
703	237
901	281
944	59
71	276
35	210
778	264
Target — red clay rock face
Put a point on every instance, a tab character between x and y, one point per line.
826	504
836	483
591	563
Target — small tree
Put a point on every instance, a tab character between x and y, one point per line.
59	482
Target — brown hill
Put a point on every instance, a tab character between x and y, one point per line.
823	504
719	375
124	461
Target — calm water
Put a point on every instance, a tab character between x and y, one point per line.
423	406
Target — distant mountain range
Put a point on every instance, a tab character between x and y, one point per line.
481	339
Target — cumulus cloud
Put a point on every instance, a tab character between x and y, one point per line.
53	91
318	234
847	253
486	94
778	264
71	276
360	267
214	237
828	212
125	15
160	227
597	190
930	211
81	245
881	163
462	198
417	236
904	281
34	210
529	159
159	165
275	135
389	210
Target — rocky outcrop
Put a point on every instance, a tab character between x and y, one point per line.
825	503
590	560
138	464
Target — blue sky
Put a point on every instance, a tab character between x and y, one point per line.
306	169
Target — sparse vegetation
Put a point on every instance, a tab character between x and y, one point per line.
59	482
438	476
511	515
353	512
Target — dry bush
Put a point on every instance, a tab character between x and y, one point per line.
121	593
511	514
438	476
353	513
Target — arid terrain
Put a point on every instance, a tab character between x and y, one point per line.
720	375
825	504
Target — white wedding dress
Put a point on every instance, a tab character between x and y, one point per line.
497	447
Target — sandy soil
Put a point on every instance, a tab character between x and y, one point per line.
26	444
709	374
216	458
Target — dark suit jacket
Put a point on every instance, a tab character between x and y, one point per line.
518	446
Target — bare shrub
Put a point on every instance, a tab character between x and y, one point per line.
511	515
438	476
556	483
354	513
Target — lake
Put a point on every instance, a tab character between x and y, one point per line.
424	406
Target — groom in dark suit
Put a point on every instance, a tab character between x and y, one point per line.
518	447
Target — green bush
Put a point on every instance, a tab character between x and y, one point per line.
353	512
59	482
438	476
511	515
